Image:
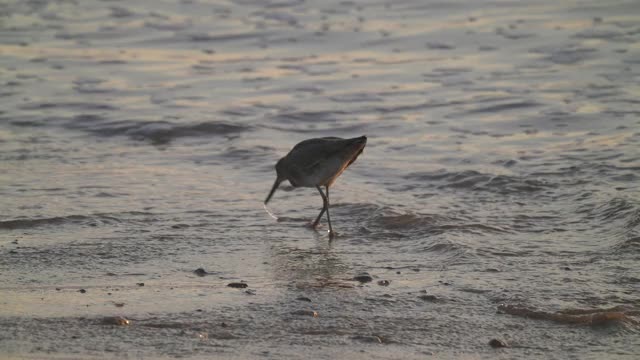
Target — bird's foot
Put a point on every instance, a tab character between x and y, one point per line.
312	225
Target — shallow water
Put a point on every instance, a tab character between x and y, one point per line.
502	170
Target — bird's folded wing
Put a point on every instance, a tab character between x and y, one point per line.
312	153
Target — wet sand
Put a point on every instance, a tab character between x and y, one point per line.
494	212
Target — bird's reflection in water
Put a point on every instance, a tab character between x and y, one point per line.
318	266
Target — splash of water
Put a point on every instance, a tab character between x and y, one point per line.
269	212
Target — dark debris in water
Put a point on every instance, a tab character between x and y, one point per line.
363	278
592	317
310	313
429	298
238	285
200	272
497	343
115	320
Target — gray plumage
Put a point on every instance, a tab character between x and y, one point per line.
318	162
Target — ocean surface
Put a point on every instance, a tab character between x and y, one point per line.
498	196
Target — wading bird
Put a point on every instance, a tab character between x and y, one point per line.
318	162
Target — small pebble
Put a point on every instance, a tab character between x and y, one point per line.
115	320
430	298
495	343
363	278
384	282
305	313
200	272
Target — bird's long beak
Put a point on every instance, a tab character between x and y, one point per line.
273	189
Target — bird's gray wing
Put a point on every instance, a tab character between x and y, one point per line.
313	152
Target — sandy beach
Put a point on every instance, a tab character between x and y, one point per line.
494	212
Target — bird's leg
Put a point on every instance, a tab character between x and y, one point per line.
331	233
325	206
